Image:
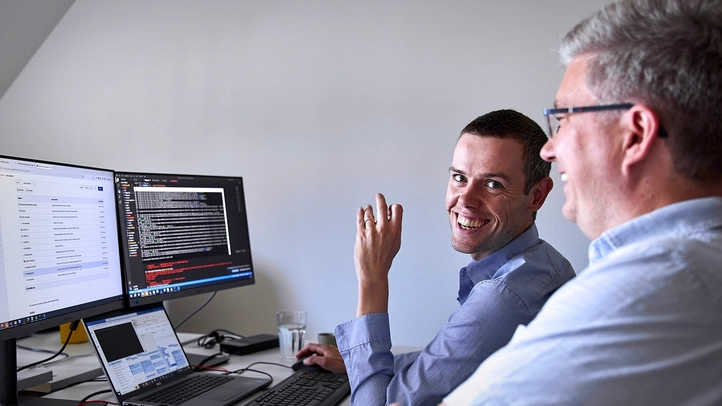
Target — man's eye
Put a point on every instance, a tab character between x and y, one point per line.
492	184
558	123
458	177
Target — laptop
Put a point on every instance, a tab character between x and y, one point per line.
142	357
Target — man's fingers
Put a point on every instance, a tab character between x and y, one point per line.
381	207
360	218
396	212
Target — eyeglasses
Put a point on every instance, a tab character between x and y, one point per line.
553	120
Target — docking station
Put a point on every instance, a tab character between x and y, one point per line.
250	344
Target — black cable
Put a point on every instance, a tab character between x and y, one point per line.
241	371
34	349
215	337
177	326
73	326
210	340
268	363
248	368
93	394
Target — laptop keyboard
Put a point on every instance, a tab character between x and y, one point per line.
191	387
306	389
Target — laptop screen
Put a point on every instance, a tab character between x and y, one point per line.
138	350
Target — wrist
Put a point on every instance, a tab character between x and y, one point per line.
373	298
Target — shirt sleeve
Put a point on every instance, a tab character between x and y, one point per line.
483	324
365	345
401	360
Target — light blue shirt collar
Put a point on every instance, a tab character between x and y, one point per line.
700	214
491	266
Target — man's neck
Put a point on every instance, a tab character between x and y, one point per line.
648	199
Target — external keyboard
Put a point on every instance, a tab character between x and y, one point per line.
305	388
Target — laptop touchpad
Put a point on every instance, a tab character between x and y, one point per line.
222	393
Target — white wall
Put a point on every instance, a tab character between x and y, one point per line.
318	105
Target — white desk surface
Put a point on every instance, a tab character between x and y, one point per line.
83	359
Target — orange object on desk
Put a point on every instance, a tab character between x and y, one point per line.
79	335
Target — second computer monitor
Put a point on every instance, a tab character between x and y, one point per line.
182	235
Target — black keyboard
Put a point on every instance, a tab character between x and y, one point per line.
306	389
188	388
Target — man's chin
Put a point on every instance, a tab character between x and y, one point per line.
461	248
569	212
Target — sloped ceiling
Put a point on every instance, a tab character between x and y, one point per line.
24	26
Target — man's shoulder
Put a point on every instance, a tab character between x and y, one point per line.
535	273
542	258
549	249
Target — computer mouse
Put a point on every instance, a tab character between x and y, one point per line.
300	366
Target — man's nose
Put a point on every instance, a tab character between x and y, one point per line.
471	195
547	151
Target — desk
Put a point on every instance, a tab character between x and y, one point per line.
84	364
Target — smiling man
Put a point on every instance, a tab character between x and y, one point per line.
497	183
637	135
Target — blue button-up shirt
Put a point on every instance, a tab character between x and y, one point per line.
642	325
496	294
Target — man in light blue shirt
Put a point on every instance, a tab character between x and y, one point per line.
497	183
637	136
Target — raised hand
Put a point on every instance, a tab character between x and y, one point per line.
378	240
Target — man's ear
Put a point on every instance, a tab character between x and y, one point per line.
539	192
641	128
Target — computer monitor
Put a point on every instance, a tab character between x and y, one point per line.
59	252
182	235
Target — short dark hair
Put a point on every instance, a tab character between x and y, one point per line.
512	124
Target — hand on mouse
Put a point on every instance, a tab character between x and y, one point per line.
327	356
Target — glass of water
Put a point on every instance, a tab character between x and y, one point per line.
291	332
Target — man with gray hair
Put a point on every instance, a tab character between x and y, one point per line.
636	133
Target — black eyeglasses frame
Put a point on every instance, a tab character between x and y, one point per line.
549	113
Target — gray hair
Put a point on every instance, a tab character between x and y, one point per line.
666	54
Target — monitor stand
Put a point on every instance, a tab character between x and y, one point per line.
28	379
9	383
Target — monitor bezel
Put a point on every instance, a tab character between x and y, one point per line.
133	302
74	313
9	336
